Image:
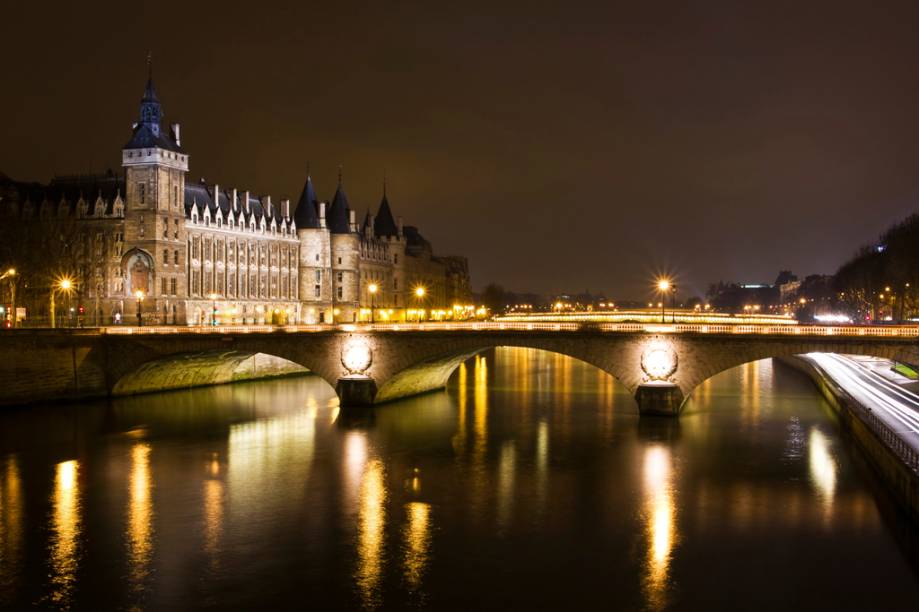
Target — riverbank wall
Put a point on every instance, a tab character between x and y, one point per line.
886	452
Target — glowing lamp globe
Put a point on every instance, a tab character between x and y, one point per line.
356	356
659	360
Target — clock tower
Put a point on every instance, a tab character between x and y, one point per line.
155	256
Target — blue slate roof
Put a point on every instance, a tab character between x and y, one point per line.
384	224
306	215
339	212
148	132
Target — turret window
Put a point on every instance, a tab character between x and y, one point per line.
317	291
340	293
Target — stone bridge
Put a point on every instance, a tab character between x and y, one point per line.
660	368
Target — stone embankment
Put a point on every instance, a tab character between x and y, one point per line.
888	454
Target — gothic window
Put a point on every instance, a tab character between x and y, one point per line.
142	192
175	229
165	228
339	261
339	276
172	286
165	257
163	286
317	256
339	293
317	291
318	276
175	196
175	257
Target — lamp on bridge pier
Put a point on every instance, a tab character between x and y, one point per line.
664	285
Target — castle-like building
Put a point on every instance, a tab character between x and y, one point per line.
200	253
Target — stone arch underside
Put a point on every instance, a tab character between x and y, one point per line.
186	370
414	376
711	361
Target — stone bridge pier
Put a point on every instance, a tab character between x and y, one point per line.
659	369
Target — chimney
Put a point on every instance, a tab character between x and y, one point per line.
399	223
235	203
266	206
322	215
351	222
217	196
285	209
246	202
175	133
370	225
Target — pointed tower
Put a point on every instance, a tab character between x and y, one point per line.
386	228
345	242
315	257
155	254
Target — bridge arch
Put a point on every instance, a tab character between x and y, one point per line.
433	372
187	370
706	364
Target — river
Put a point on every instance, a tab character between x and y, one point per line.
530	483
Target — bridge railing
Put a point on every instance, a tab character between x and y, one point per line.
901	331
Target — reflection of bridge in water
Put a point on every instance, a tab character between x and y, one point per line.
660	365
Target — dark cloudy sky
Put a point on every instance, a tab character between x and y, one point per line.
561	146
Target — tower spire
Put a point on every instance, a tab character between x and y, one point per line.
149	66
339	175
384	183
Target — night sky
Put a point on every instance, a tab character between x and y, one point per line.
558	146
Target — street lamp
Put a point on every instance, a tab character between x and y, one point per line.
419	295
139	296
373	288
61	284
10	274
663	285
213	297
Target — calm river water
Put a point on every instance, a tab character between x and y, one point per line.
531	483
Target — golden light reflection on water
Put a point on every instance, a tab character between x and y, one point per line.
506	477
459	440
213	516
660	523
416	535
822	468
140	516
371	528
10	523
480	410
65	532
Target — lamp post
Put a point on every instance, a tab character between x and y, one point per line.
10	274
373	288
213	297
139	296
419	295
62	284
663	285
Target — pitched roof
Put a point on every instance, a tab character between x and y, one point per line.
305	216
338	213
147	131
384	224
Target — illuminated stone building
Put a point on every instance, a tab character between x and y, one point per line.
199	253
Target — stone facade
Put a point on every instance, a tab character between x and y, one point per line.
196	253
